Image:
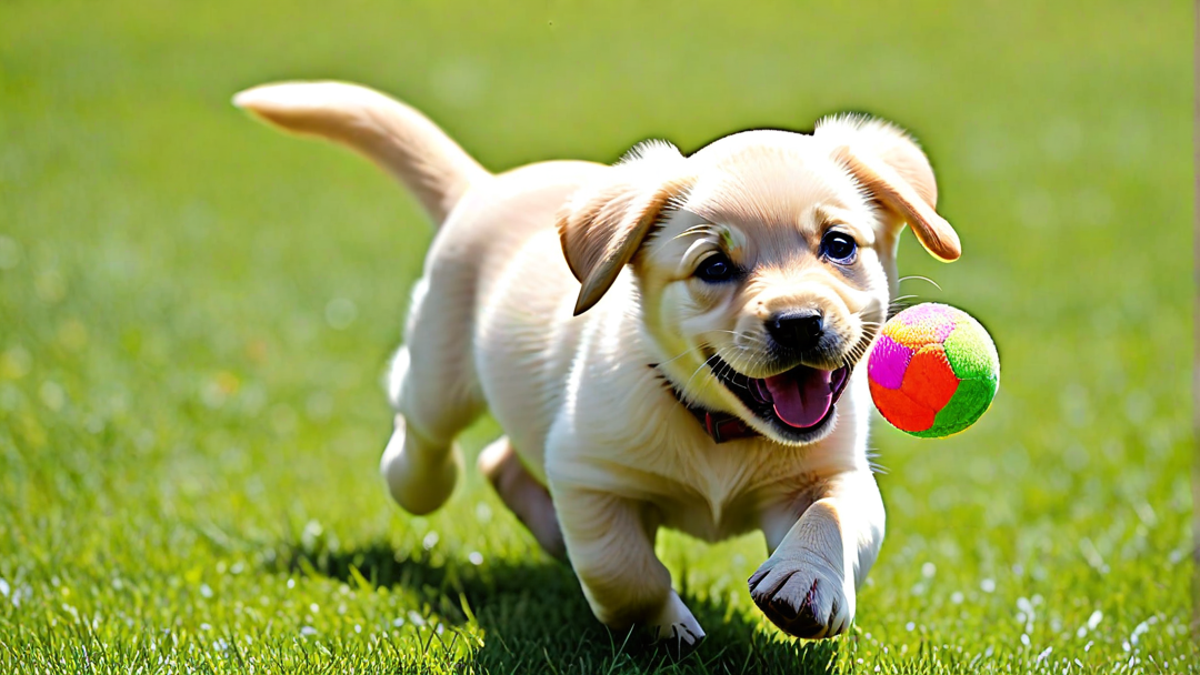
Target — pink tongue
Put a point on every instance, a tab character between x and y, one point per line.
801	396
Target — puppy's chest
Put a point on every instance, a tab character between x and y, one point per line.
721	491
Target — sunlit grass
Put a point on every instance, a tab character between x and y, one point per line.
195	313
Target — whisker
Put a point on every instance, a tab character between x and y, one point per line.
681	355
900	304
918	277
722	372
697	372
750	336
728	368
859	350
757	359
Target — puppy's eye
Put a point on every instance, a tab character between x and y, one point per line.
716	268
838	247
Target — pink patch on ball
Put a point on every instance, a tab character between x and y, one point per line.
889	360
921	325
925	311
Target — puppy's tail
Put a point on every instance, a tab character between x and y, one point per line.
393	135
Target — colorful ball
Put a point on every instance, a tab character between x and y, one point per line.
934	370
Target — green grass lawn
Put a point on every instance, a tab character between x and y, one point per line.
195	313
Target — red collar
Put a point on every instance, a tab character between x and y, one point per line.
720	426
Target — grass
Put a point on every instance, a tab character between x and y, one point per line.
195	313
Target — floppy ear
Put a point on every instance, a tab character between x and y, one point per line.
604	224
891	166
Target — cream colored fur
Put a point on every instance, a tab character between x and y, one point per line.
561	297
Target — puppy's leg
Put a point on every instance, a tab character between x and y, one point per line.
523	494
433	388
807	586
420	471
610	541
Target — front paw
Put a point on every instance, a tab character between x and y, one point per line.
805	598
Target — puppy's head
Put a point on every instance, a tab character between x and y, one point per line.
765	261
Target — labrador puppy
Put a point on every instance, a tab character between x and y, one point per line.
672	341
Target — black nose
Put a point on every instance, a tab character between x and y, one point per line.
799	330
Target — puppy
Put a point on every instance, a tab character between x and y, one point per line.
668	342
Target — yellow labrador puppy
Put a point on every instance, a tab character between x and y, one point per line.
668	342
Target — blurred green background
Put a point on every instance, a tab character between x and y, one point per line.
195	313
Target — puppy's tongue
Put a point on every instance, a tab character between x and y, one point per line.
801	396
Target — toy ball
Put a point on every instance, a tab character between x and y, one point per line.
933	371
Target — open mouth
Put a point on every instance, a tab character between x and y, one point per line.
796	402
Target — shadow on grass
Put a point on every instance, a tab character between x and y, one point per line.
535	618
